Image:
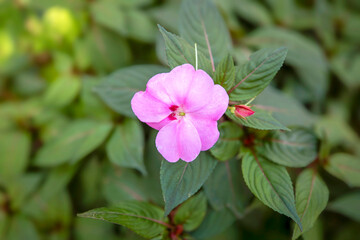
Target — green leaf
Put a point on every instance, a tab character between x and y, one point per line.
225	73
106	50
22	228
76	141
296	148
200	22
90	229
254	12
347	205
117	89
284	108
214	223
224	188
126	146
123	185
191	213
271	184
312	196
345	167
254	76
261	119
229	142
179	52
304	55
62	92
181	180
141	217
14	152
316	232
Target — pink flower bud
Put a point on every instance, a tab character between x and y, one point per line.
243	111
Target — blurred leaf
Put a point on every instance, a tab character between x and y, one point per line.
76	141
214	223
296	148
22	228
346	65
345	167
261	119
50	212
224	189
91	105
284	108
14	151
140	25
106	50
121	184
254	76
118	88
179	52
181	180
324	23
225	73
304	55
271	184
20	188
143	218
254	12
110	14
126	145
28	83
229	141
311	199
347	205
90	229
316	232
191	213
200	22
282	10
62	92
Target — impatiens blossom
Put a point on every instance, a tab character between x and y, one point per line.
184	105
243	111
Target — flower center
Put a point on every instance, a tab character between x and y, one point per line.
177	112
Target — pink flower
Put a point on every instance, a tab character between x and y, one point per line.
184	105
243	111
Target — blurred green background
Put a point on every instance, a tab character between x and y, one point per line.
52	54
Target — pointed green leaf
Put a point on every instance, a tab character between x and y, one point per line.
143	218
304	55
261	119
225	73
200	22
311	198
271	184
179	52
62	92
347	205
224	188
76	141
181	180
229	142
345	167
296	148
126	146
191	213
118	88
253	77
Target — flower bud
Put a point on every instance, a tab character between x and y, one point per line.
243	111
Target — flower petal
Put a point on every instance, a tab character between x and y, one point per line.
217	104
179	82
149	109
157	88
207	130
178	139
188	140
161	124
198	94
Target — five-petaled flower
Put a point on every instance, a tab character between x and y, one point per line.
185	106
